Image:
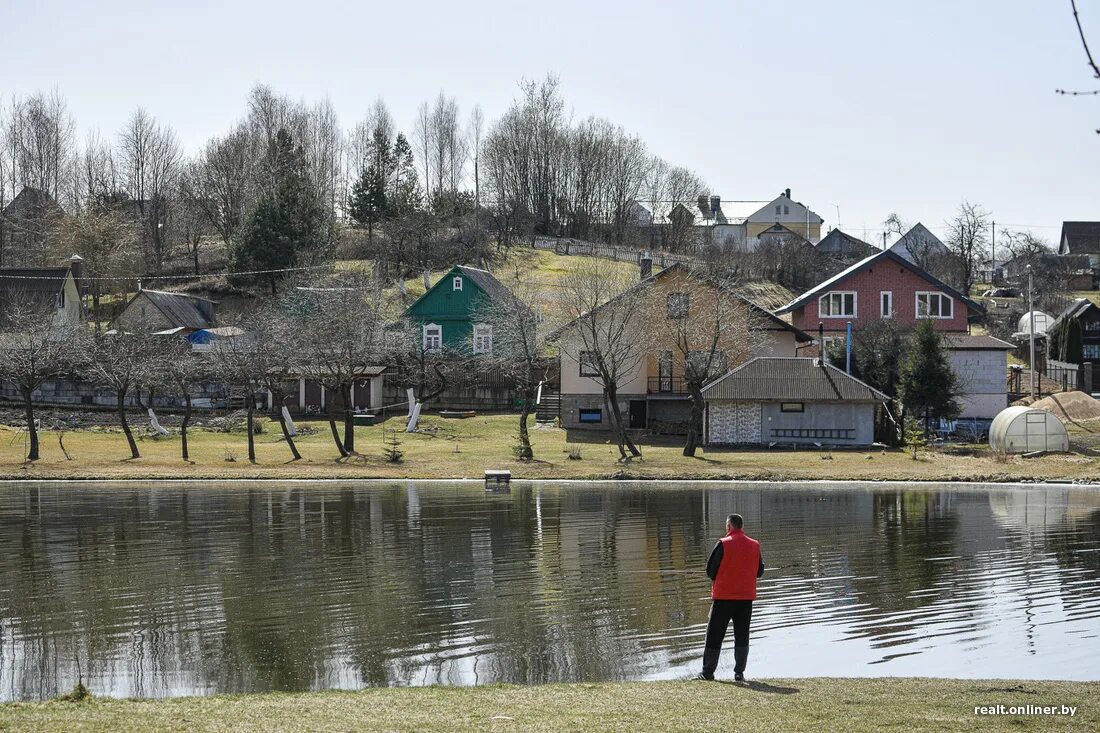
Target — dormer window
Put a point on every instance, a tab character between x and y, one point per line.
456	283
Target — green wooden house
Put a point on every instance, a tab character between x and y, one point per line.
448	314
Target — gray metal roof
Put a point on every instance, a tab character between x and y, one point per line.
975	342
790	379
181	309
1081	237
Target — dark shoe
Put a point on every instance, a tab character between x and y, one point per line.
739	676
703	677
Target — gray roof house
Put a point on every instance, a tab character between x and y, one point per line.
789	401
157	310
842	246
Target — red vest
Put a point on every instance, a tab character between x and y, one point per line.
736	579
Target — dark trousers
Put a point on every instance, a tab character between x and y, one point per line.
721	613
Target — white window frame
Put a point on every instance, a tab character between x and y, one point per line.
841	293
438	329
942	296
483	338
887	312
456	282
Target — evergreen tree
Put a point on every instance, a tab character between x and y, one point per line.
287	226
404	196
367	204
928	385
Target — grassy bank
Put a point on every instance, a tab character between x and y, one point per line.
465	448
790	706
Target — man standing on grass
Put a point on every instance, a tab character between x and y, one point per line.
733	567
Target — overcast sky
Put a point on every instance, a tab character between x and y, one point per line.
867	105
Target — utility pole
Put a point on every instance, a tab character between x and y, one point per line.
1031	332
993	262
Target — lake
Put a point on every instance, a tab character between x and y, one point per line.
175	589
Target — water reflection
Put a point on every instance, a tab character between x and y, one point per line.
192	590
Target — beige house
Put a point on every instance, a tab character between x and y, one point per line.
653	394
54	289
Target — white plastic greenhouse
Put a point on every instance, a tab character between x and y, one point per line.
1042	323
1026	430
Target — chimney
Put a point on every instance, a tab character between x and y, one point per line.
704	208
787	193
76	267
715	205
646	264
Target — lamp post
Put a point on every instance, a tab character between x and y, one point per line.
1031	332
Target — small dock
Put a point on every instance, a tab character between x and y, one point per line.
498	481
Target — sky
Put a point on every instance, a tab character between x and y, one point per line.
861	107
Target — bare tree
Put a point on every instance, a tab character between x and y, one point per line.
476	130
118	362
220	182
107	242
184	370
149	155
604	334
34	347
967	240
344	342
240	362
1093	66
514	347
702	324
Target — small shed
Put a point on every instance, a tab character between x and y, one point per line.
789	401
1022	429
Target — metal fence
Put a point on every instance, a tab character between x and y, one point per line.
570	246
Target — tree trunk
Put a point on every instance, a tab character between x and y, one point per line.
195	254
349	418
183	425
526	453
32	431
121	398
622	437
335	432
250	408
287	436
696	421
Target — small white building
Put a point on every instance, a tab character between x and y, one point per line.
981	365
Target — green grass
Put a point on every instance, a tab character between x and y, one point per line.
773	706
466	448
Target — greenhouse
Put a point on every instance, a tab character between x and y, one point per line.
1027	430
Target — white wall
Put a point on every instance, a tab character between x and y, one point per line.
983	381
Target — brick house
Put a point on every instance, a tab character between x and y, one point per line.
889	286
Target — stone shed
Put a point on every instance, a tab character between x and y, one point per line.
789	401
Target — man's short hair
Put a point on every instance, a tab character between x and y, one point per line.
735	521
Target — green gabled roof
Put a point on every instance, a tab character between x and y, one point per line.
483	279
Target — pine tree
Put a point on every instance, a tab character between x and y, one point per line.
404	185
368	203
287	226
928	385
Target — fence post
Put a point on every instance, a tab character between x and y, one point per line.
1087	368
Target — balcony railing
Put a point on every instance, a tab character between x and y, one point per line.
667	385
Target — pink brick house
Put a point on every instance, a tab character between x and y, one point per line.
883	285
886	285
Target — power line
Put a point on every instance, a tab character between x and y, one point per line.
165	277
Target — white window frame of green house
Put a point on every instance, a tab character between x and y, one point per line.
456	283
825	304
433	332
927	296
483	338
886	303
